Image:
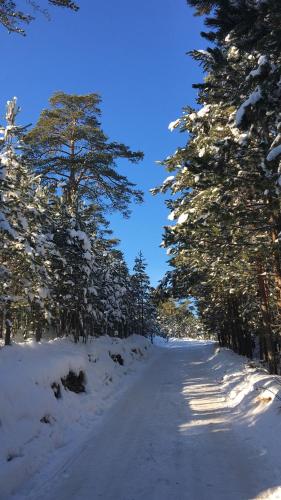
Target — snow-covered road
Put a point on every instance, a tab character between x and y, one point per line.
170	437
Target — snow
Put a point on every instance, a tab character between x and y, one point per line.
262	61
205	53
180	343
171	215
43	292
233	53
182	218
23	222
253	396
201	423
27	371
168	179
250	101
272	155
82	236
5	226
204	111
173	125
3	171
200	113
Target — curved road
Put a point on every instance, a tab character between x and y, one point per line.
169	438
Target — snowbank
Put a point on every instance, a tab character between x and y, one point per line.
246	382
33	421
254	398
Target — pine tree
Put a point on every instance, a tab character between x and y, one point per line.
71	152
176	320
141	295
76	162
224	244
12	18
24	243
72	265
61	273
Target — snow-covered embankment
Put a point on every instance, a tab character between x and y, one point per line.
254	397
39	415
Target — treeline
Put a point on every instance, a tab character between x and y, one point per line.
60	269
225	243
177	319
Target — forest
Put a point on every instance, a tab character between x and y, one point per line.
61	270
140	258
225	245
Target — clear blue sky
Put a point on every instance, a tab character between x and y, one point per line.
133	54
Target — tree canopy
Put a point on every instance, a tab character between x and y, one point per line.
70	150
14	19
224	241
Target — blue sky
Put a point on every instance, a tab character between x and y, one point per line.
133	54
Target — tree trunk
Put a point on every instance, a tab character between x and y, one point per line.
267	333
2	324
277	265
8	324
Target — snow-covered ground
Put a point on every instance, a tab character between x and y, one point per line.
36	426
179	343
253	400
198	423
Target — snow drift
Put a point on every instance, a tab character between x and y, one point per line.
254	398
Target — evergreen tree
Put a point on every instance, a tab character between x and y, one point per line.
24	243
141	296
13	18
224	245
61	274
71	152
117	295
73	267
176	320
